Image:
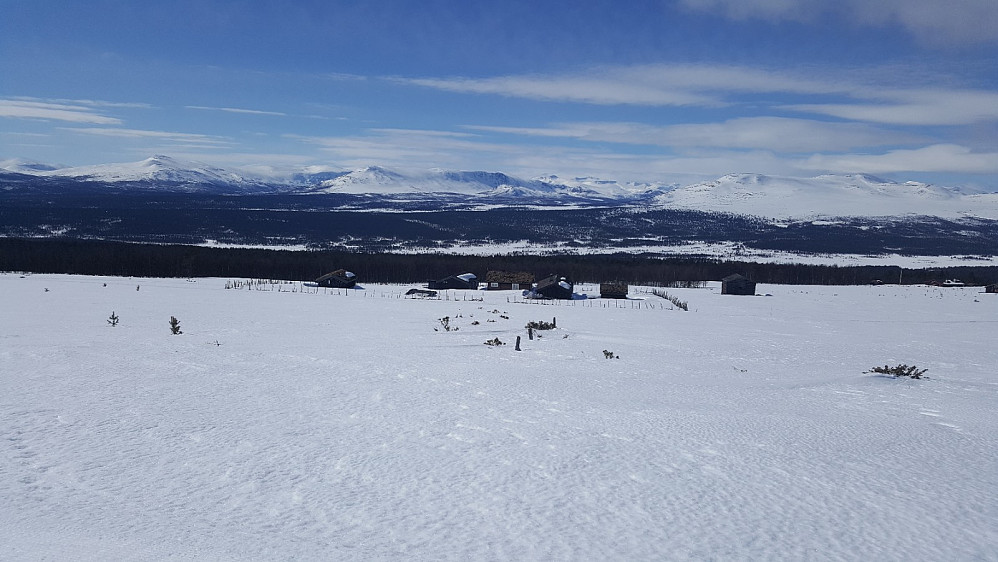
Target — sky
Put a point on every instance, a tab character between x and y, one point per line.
644	90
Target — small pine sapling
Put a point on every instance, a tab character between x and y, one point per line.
113	319
901	370
175	325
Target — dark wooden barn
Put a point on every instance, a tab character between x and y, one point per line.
463	281
993	288
554	287
508	280
737	285
339	279
613	290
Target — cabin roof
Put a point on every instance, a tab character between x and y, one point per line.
339	274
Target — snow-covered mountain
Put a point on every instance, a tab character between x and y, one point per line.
377	180
21	166
160	171
782	197
774	197
611	188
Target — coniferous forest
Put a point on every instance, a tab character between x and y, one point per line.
94	257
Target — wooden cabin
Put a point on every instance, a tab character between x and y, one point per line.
737	285
463	281
613	290
992	288
339	279
554	287
508	280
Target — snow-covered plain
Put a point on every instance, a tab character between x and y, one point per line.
349	425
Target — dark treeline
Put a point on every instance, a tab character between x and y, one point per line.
93	257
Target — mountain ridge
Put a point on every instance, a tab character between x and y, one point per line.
769	196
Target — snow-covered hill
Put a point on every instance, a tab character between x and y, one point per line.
775	197
828	196
21	166
380	181
305	424
164	172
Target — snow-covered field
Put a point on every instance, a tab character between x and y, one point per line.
350	425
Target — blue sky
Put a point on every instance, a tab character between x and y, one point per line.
667	90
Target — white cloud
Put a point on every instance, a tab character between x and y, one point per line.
915	107
74	113
237	110
201	140
407	148
949	158
650	85
941	22
762	133
859	97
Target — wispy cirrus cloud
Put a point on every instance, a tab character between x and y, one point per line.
915	107
933	158
189	138
51	111
779	134
648	85
407	148
862	97
938	22
237	110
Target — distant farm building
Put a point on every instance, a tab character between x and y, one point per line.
613	290
737	285
463	281
554	287
339	279
508	280
422	293
993	288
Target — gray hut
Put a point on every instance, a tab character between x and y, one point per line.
339	279
508	280
737	285
463	281
554	287
613	290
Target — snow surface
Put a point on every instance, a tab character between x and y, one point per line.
324	424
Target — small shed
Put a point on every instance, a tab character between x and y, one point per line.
463	281
339	279
508	280
554	287
613	290
737	285
992	288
